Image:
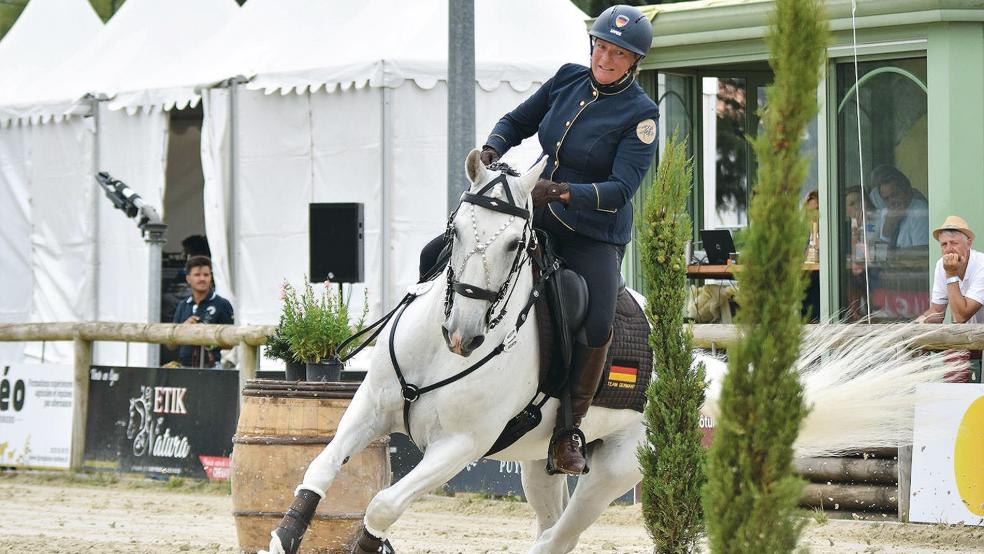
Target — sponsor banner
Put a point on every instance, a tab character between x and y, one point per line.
948	454
492	477
36	415
706	425
162	421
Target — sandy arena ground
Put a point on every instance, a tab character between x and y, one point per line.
45	513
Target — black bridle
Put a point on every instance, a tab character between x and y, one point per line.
508	207
528	245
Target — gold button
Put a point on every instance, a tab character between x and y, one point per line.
568	124
556	162
582	103
594	93
558	144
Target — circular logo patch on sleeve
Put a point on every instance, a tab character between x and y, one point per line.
646	131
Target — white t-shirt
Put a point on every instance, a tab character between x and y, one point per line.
972	285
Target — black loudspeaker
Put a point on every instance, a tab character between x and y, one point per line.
336	240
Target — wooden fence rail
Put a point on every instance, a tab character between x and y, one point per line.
927	336
83	334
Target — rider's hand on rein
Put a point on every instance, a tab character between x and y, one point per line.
489	156
546	191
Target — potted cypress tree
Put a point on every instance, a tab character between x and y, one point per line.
315	324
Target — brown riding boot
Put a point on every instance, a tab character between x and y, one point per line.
589	363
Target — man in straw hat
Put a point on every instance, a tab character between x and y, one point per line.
959	277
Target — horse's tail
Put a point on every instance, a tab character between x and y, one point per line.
859	383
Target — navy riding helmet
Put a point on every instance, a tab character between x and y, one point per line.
626	27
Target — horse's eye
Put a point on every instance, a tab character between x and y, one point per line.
515	245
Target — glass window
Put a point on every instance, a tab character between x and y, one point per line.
726	152
882	178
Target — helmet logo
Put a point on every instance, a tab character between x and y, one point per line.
621	21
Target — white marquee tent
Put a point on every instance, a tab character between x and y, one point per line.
88	261
336	102
46	243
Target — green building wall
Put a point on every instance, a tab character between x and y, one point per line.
691	37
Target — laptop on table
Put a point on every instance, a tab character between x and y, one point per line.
717	245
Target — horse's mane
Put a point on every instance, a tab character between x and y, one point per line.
503	167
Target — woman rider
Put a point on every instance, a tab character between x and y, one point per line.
597	128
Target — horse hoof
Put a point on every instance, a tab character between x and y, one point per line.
275	546
367	543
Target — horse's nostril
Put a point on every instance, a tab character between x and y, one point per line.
476	342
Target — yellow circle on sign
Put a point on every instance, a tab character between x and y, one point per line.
968	457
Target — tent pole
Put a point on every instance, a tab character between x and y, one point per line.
232	243
94	107
386	166
461	93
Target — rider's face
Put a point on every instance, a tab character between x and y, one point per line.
609	63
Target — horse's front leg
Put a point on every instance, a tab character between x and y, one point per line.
442	461
367	418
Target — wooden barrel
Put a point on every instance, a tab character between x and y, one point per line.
282	427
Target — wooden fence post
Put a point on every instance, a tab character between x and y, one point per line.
80	398
249	363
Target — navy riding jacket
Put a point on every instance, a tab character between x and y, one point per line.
600	139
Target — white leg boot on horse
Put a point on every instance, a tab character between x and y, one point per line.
568	448
546	494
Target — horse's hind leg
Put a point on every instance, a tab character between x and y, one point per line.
442	460
614	470
363	422
546	494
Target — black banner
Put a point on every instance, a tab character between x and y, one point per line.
162	421
485	476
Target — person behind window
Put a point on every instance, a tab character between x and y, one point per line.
958	281
903	222
203	306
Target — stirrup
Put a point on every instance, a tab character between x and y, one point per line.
551	467
367	543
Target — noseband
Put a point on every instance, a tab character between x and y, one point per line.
513	210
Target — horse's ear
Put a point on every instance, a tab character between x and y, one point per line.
474	167
530	178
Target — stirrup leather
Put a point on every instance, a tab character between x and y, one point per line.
559	434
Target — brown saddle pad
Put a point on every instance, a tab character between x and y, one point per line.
629	366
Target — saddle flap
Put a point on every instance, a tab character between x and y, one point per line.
573	296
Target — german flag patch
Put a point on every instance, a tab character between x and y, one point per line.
622	377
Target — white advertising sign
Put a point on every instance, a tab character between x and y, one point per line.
36	415
948	455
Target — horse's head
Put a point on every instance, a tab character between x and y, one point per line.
490	231
135	422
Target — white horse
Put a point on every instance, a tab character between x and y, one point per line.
458	423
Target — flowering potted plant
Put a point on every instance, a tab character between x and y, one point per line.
315	324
